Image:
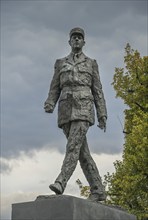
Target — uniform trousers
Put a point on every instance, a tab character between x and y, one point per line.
77	149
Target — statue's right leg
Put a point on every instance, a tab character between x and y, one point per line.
75	133
57	187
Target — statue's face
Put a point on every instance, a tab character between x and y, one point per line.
76	41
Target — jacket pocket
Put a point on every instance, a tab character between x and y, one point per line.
86	95
66	96
65	68
85	69
63	96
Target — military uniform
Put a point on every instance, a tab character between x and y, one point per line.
76	84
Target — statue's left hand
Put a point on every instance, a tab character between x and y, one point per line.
102	123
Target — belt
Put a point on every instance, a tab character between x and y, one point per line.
75	88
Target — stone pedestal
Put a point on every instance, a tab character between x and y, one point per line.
64	207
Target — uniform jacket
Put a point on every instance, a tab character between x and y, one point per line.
78	88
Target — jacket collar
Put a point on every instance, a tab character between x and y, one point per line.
82	58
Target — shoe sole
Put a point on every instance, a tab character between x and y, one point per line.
97	199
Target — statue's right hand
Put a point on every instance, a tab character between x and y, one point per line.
48	108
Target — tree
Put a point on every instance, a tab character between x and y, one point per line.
128	185
84	190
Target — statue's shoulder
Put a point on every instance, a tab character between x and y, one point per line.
90	59
61	60
93	62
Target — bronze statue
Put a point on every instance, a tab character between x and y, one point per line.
76	84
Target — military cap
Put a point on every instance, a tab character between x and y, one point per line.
78	31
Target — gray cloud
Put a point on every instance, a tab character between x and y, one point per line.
34	34
5	167
62	15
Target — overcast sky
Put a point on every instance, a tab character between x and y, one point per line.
33	35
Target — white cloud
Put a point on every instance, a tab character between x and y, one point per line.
30	177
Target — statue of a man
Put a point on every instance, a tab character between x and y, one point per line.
76	84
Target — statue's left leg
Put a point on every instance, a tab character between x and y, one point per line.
91	173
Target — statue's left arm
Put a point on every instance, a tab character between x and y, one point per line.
98	95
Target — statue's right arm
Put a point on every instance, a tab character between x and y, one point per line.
54	91
48	108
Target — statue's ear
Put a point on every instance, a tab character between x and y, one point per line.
69	42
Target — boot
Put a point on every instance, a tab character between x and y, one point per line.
57	188
96	197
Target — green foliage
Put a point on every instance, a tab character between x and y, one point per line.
84	190
128	186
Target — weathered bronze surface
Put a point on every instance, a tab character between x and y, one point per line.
77	88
